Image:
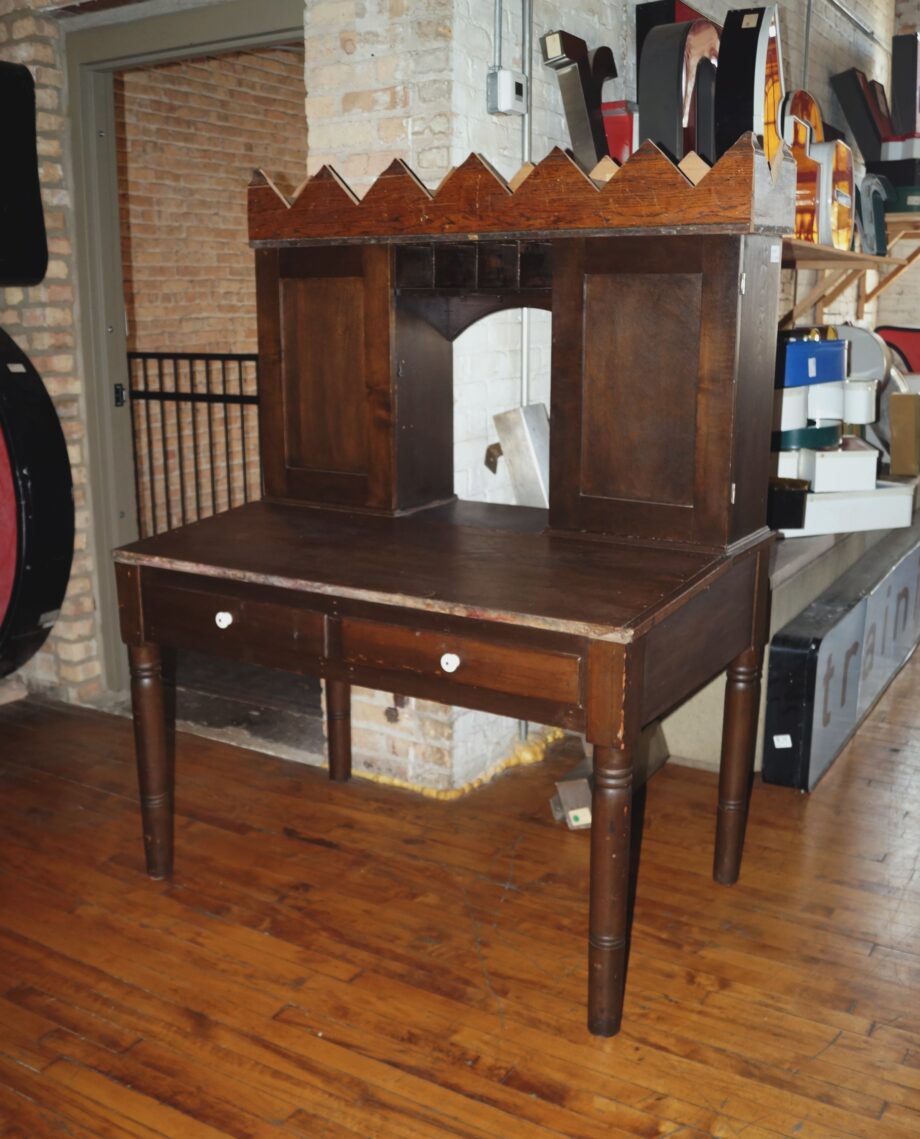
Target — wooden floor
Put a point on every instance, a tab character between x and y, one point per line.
334	962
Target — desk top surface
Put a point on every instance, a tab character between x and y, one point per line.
464	559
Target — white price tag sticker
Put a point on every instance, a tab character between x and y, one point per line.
812	367
783	743
750	21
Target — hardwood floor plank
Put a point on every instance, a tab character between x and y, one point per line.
127	1105
99	1119
22	1119
338	962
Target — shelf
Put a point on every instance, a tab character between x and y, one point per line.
841	269
903	226
799	254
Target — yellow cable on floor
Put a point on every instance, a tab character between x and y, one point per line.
523	755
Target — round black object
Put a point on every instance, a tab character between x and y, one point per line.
36	510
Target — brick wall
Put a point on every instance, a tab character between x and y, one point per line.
189	135
41	321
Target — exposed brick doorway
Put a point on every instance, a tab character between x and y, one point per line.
188	134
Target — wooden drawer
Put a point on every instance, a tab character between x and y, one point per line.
542	674
184	614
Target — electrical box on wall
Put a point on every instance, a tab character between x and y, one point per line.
506	92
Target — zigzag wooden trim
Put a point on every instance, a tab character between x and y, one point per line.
742	192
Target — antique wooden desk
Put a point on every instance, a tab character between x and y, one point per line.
648	574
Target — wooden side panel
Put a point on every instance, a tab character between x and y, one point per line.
643	386
325	375
753	416
425	400
271	405
700	639
639	410
325	412
376	352
130	614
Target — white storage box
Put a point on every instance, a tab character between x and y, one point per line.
825	401
887	507
786	464
859	401
851	466
790	408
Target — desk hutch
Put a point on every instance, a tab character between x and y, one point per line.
647	575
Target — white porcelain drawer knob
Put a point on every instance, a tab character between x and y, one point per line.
223	619
450	662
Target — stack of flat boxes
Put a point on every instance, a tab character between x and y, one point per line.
818	407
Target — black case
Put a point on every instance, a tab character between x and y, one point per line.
23	245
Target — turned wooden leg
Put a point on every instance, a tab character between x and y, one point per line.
611	807
739	737
338	722
154	762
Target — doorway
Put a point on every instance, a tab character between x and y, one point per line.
97	56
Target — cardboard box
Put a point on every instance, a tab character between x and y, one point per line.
904	417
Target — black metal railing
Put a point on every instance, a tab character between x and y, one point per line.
194	420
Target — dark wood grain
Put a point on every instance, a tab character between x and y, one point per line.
742	700
648	387
154	758
324	381
684	652
182	612
756	356
453	560
338	725
554	676
739	734
611	808
640	392
424	443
